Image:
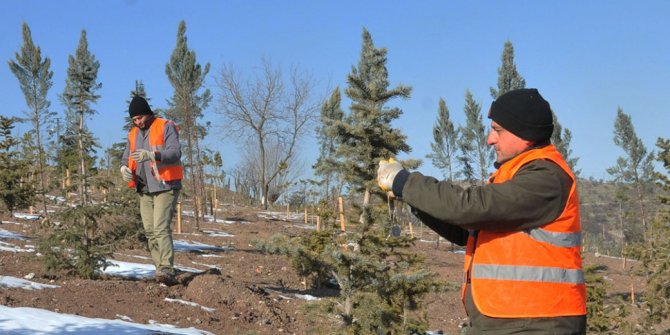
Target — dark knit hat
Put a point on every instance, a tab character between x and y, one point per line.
139	106
524	113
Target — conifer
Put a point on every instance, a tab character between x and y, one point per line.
365	135
444	148
34	75
187	77
16	189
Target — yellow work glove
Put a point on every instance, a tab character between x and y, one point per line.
386	173
141	155
126	173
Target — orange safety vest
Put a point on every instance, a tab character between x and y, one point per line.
530	273
166	172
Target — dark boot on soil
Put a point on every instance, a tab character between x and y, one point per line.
166	276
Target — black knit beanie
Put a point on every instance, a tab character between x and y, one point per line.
524	113
139	106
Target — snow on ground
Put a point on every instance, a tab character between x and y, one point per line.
10	235
180	245
23	320
210	218
6	246
13	282
58	199
137	270
217	233
189	303
26	216
307	297
305	226
281	216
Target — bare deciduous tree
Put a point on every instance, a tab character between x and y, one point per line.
270	113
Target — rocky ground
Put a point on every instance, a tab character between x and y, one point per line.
249	292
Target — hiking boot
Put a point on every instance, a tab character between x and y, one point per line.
166	276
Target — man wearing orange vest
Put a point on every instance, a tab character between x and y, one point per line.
523	270
153	167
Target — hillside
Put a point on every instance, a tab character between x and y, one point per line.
249	292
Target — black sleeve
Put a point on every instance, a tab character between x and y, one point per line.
534	197
453	234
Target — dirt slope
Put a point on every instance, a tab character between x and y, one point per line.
251	293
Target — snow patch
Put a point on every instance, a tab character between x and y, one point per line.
25	320
13	282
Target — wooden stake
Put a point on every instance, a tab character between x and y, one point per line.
215	203
411	231
632	294
288	208
178	217
216	207
305	214
342	223
318	223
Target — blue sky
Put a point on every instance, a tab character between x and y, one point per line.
587	58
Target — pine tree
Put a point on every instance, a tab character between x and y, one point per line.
444	146
327	165
34	75
476	156
508	77
16	190
79	247
79	95
365	135
603	317
382	284
561	138
656	257
187	78
636	167
215	175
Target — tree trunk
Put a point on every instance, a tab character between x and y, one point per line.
200	173
640	197
366	201
41	167
192	165
82	162
264	186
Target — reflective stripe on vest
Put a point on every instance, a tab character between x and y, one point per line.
527	273
531	273
166	171
558	239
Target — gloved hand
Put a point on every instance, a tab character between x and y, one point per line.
141	155
386	173
126	173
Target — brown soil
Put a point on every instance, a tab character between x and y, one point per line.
252	293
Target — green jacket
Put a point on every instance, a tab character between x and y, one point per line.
535	196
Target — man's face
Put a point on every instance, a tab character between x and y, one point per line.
142	121
506	144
